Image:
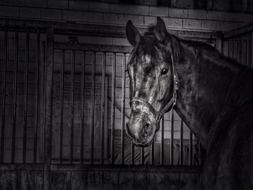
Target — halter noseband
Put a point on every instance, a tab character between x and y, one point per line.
169	105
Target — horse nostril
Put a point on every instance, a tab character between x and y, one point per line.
146	130
147	126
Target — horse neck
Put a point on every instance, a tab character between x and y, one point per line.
204	80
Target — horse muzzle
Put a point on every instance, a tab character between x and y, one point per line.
142	124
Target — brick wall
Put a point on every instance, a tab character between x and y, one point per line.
115	14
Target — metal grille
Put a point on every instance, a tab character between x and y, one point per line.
91	108
68	103
238	45
21	97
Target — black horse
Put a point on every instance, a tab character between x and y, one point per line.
211	93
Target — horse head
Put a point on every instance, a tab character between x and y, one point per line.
153	81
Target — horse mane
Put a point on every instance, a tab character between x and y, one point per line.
197	46
211	52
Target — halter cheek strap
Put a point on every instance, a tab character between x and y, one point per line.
169	105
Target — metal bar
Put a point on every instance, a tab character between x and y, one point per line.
182	143
72	105
26	97
37	98
142	155
199	153
237	55
249	52
132	153
43	112
191	150
94	48
251	46
229	48
241	51
244	52
233	55
13	143
49	78
162	142
92	109
62	105
103	109
83	106
113	107
225	48
123	108
172	139
4	94
153	153
106	135
233	50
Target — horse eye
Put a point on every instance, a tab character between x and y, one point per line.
164	71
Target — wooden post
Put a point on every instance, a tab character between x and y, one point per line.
48	107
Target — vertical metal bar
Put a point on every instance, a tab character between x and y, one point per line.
153	153
62	104
132	153
142	155
191	151
229	48
237	56
182	143
172	139
26	97
13	143
49	78
241	48
245	52
82	106
251	48
106	135
123	108
37	98
4	94
199	153
162	143
113	107
43	112
103	109
249	52
93	109
72	105
233	49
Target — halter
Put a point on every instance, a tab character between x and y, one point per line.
169	105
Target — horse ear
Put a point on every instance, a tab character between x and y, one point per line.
160	30
132	33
